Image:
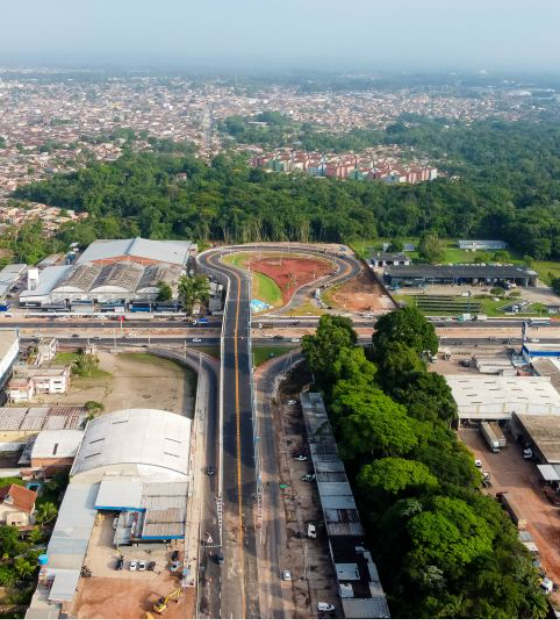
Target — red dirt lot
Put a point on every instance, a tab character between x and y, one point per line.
520	478
290	273
107	597
362	294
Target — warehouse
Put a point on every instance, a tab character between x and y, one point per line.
138	250
120	281
492	397
9	353
134	462
422	275
542	433
135	442
474	245
534	351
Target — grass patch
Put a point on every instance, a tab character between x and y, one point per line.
65	357
264	288
149	358
265	353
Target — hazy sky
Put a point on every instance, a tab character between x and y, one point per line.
339	34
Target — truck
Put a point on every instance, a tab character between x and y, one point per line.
491	439
499	433
4	306
542	321
465	317
481	317
203	321
513	511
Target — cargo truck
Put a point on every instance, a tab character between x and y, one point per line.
491	439
498	433
512	510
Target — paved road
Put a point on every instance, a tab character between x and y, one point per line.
273	536
238	473
210	584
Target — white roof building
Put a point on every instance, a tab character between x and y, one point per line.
135	442
143	251
488	397
56	444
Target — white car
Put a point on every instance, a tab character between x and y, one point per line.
478	463
197	340
325	607
141	565
133	565
295	340
286	575
300	457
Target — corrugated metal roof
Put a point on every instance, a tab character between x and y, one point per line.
119	494
74	525
173	252
365	607
139	437
56	444
47	281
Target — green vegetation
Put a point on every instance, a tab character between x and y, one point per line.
443	549
165	292
65	357
193	290
264	353
86	365
265	289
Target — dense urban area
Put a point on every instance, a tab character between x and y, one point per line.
279	347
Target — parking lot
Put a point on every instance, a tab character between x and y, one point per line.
510	473
111	593
312	573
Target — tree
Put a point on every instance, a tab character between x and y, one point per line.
406	326
396	245
46	513
334	335
395	475
165	292
24	567
397	365
431	249
85	364
371	423
193	290
450	535
555	283
427	397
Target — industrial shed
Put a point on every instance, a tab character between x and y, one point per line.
76	283
138	250
135	442
116	282
148	287
543	435
415	275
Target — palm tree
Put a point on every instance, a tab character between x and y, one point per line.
46	513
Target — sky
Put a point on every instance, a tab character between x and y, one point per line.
348	35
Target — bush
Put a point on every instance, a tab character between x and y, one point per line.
497	291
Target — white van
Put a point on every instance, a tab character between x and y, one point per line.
311	531
325	607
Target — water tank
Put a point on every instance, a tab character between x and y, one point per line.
43	559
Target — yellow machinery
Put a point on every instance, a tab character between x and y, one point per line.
160	606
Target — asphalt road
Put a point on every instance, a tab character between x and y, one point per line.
238	473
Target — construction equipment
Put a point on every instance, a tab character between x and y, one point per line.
160	606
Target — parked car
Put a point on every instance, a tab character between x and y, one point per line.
219	559
133	565
175	566
197	340
175	555
142	565
210	470
478	463
300	457
120	564
311	530
151	566
325	607
308	478
286	575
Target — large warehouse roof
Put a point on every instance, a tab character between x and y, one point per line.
544	432
482	272
145	442
488	397
173	252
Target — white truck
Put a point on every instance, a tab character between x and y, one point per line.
491	439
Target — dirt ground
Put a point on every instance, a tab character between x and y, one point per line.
291	273
126	594
511	473
135	380
362	294
309	560
105	597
